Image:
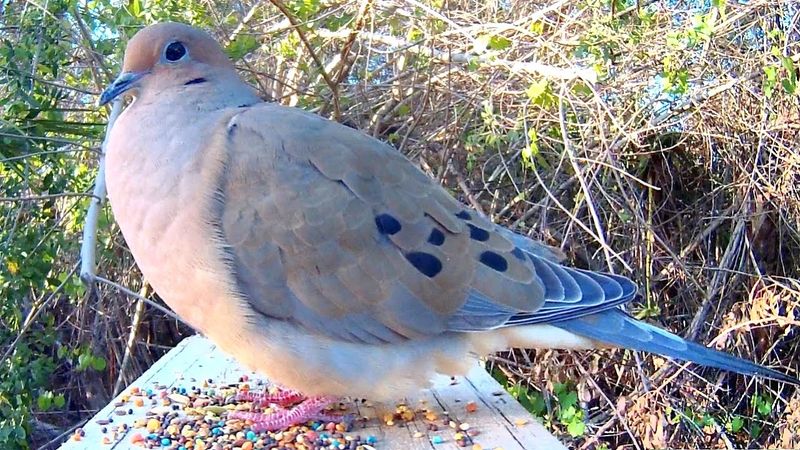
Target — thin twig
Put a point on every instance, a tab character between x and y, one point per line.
130	344
32	198
297	27
449	57
127	291
587	194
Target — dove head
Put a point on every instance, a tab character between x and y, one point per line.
168	55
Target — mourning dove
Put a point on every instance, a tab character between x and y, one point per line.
321	257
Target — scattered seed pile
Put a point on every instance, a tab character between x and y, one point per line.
199	418
196	418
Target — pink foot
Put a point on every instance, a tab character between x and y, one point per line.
309	409
276	396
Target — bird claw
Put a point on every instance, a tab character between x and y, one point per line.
309	409
279	396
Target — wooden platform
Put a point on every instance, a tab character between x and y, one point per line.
501	422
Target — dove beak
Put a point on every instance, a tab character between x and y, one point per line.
124	82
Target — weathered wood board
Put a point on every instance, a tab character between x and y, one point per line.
501	421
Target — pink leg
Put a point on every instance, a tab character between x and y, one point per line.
281	397
310	409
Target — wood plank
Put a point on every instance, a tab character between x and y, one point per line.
502	423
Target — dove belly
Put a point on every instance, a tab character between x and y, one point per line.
317	365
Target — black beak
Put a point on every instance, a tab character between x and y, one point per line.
124	82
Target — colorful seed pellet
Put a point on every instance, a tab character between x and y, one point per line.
198	417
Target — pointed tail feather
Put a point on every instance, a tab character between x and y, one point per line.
614	327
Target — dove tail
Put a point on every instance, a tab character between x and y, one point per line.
614	327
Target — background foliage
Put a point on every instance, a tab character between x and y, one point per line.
655	139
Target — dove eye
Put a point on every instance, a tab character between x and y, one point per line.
175	51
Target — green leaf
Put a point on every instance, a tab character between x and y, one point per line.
541	93
499	43
136	8
59	401
703	26
84	360
537	89
44	401
787	64
568	414
568	399
98	363
531	151
576	428
581	88
403	110
491	42
241	46
770	80
788	85
536	27
735	425
538	405
675	40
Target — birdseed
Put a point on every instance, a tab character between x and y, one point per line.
197	419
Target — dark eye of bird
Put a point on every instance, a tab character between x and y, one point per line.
175	51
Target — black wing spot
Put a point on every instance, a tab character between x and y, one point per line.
436	237
195	81
463	215
387	224
426	263
494	261
478	234
518	253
